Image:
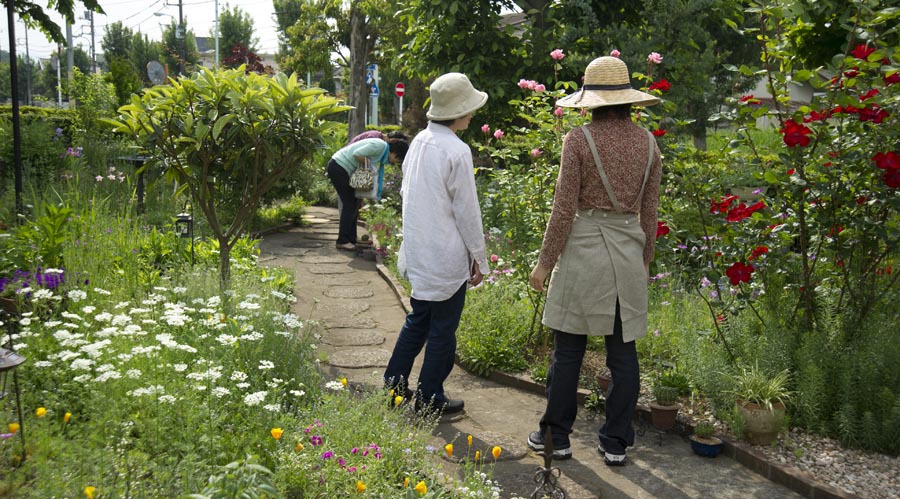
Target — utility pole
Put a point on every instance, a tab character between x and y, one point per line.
93	46
217	33
27	68
180	32
70	60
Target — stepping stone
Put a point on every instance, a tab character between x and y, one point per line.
303	244
352	322
353	337
320	237
342	281
359	358
342	309
349	292
321	229
314	259
327	268
316	220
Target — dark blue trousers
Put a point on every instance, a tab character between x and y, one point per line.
617	431
433	323
340	179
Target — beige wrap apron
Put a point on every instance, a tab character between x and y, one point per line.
601	262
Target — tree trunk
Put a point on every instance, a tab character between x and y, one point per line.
359	54
224	265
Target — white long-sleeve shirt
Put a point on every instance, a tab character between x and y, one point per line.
442	231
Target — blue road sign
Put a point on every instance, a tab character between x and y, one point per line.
374	91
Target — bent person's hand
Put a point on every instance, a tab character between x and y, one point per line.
537	278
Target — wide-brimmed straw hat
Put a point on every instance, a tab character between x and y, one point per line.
453	96
606	83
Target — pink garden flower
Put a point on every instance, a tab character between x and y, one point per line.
540	88
498	134
558	112
485	129
615	53
494	258
536	152
655	58
557	55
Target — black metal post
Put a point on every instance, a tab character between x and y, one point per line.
17	132
547	476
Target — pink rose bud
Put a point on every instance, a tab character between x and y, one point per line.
614	53
536	152
558	112
557	55
494	258
498	134
523	83
655	58
485	129
540	88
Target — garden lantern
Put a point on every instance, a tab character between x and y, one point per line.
184	225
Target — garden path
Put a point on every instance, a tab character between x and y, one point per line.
362	317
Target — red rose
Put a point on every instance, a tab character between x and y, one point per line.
757	252
892	78
791	171
661	85
722	205
751	100
889	161
861	51
659	132
874	114
661	229
892	178
739	272
868	95
795	134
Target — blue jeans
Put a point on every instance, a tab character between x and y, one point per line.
617	431
434	323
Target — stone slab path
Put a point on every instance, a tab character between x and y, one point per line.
362	317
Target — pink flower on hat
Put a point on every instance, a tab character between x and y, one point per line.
655	58
485	129
557	55
498	134
614	53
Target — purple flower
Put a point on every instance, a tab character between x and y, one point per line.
327	454
316	440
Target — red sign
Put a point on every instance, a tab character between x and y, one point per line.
399	89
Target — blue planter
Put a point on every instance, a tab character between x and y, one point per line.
706	449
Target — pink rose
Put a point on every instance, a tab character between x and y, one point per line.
485	129
536	152
494	258
540	88
557	55
558	112
614	53
523	83
655	58
498	134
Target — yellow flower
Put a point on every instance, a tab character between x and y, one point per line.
391	393
276	433
421	488
14	427
398	400
406	482
40	412
67	417
360	487
496	451
343	381
299	446
89	491
477	456
449	449
469	440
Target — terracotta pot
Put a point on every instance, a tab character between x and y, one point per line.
663	416
604	381
760	423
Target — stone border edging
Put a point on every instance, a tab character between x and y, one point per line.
789	476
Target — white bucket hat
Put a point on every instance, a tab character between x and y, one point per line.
453	96
606	83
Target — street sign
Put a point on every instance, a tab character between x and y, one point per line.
399	89
374	91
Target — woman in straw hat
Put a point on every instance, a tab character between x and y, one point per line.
443	247
599	243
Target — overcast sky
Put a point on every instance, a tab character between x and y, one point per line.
139	15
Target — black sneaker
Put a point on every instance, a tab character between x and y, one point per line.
449	406
611	459
536	443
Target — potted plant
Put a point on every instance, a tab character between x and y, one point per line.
604	380
665	409
761	398
704	442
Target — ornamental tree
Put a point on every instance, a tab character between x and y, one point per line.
227	137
